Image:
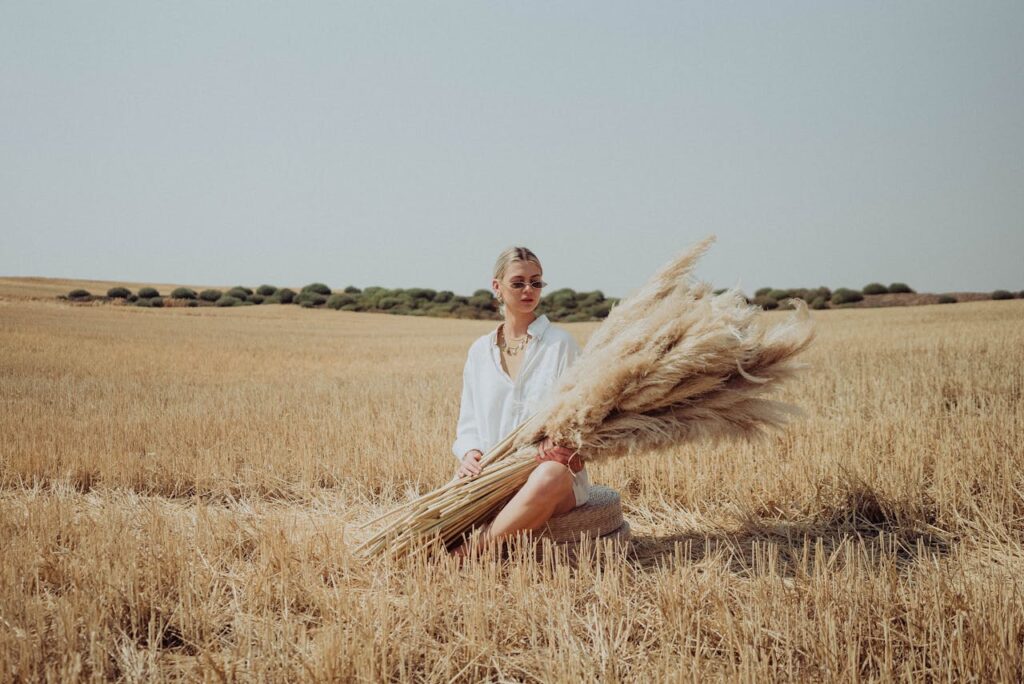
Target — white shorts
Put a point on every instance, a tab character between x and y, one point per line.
581	486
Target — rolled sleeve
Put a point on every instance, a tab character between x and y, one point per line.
467	432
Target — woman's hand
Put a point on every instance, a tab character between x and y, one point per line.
470	466
548	451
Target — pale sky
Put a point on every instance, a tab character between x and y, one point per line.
406	144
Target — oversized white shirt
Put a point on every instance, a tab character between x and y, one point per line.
493	404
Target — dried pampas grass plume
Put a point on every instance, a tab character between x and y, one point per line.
671	364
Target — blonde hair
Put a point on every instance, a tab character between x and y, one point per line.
513	254
510	256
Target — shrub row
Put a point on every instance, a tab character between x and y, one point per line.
823	297
560	305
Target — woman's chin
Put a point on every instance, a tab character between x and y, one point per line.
525	308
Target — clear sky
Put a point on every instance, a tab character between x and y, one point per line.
406	144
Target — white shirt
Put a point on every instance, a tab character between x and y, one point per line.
493	404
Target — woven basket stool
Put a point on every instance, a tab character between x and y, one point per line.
600	518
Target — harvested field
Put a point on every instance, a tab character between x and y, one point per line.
179	493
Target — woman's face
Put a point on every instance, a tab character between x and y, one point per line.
522	300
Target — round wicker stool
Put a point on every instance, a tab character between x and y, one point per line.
599	518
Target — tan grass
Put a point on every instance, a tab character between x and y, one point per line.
179	491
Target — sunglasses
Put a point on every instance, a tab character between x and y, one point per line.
535	284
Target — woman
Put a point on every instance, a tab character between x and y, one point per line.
507	374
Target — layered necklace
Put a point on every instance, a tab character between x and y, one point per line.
514	346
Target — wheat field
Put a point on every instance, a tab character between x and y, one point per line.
181	490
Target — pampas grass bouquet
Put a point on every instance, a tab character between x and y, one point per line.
672	364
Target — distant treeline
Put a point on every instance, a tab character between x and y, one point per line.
566	304
769	298
560	305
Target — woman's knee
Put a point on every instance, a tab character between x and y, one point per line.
549	478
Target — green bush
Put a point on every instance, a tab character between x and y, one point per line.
336	301
132	298
285	295
565	298
79	294
779	295
875	289
603	309
444	296
352	290
306	303
421	293
156	302
846	296
765	302
310	298
577	317
483	302
119	293
819	303
947	299
1020	295
210	295
247	290
238	293
148	293
443	309
388	303
317	288
192	303
257	299
228	300
144	303
763	292
900	288
1002	294
183	293
266	290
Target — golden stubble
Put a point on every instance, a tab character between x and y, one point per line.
180	492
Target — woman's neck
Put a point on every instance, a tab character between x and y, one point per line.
516	325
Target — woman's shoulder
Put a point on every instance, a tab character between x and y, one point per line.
481	345
559	336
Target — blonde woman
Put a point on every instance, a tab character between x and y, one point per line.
507	373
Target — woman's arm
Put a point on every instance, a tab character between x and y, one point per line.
467	437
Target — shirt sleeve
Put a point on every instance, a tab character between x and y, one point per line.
467	434
570	352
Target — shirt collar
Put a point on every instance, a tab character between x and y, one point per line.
535	329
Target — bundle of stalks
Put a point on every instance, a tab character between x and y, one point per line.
670	365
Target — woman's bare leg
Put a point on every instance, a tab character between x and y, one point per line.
547	492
